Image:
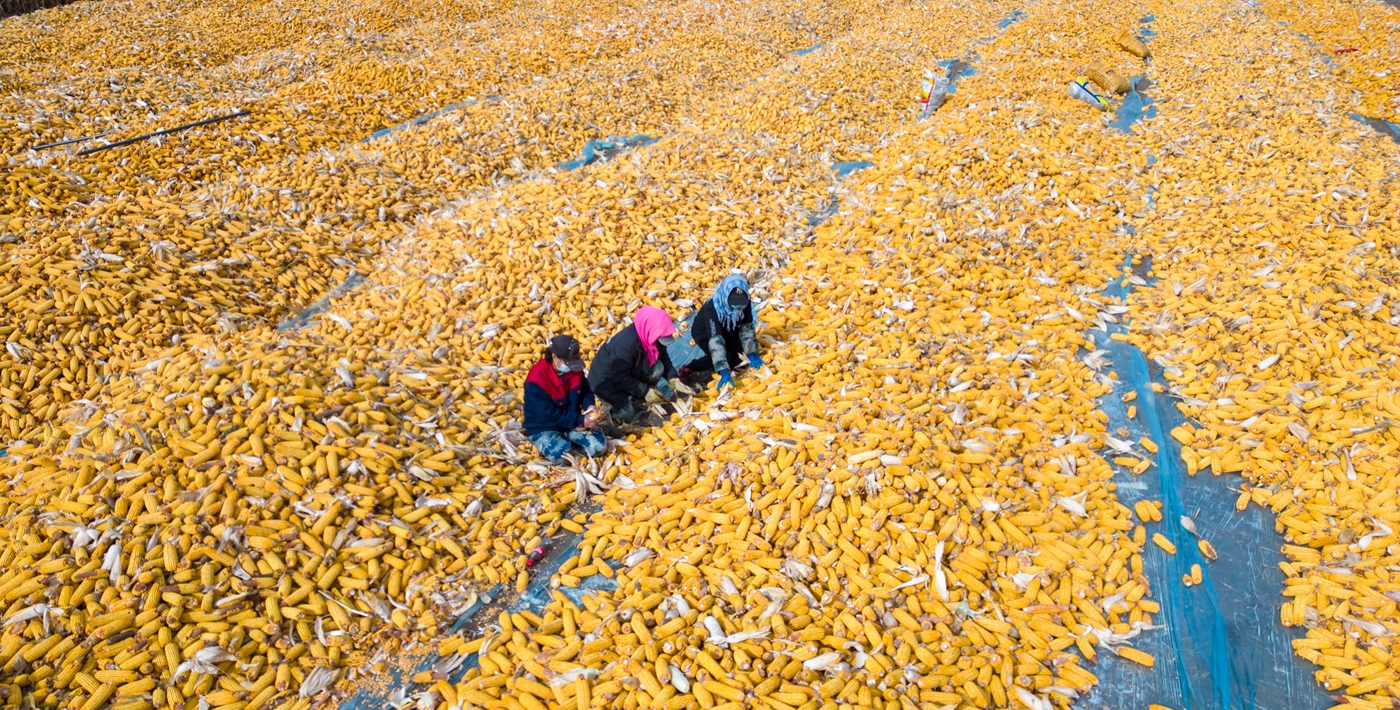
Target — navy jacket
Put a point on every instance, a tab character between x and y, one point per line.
554	402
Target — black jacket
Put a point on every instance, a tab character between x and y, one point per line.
620	370
726	348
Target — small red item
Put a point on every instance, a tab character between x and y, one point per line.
1345	50
535	556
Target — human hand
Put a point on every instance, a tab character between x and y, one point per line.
725	380
755	362
664	388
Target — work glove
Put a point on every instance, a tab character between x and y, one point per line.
654	396
725	380
755	362
664	388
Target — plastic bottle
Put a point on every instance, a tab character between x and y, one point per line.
1081	89
534	556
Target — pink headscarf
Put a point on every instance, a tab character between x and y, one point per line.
652	324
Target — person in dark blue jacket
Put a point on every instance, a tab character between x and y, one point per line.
559	405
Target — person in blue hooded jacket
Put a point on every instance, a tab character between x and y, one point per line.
559	405
724	329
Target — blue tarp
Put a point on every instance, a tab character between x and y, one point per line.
594	150
1223	647
300	320
536	596
1382	126
1013	18
846	167
1136	104
417	120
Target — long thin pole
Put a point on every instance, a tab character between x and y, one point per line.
137	139
68	142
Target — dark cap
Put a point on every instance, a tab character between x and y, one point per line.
738	298
565	348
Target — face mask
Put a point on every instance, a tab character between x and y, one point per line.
562	369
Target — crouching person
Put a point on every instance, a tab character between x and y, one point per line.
559	406
629	370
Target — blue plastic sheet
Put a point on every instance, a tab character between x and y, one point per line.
683	349
1137	105
419	120
1223	646
1013	18
957	69
536	596
1382	126
1147	32
597	149
846	167
301	320
843	169
810	49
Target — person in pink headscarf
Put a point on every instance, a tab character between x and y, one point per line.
633	363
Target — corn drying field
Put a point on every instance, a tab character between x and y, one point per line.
942	493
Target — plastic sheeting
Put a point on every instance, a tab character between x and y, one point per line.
846	167
1384	127
1137	105
1013	18
480	615
601	149
957	69
842	169
301	320
1223	646
419	120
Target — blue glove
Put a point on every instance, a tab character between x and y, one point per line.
724	380
755	362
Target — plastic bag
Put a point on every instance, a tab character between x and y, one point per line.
1081	89
932	93
1132	45
1107	79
